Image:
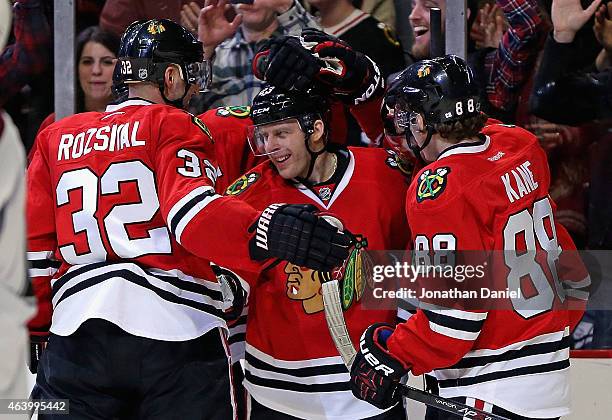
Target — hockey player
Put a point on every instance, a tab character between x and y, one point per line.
484	188
123	202
292	368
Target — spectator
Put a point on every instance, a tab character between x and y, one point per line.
118	14
96	52
234	43
363	32
561	92
29	54
500	72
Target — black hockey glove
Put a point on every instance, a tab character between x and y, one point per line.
353	76
285	63
293	232
38	343
233	294
376	373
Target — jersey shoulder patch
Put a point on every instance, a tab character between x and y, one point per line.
432	183
203	127
241	184
234	111
394	161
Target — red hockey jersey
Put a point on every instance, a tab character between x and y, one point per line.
124	201
492	195
292	364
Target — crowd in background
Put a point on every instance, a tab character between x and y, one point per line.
542	64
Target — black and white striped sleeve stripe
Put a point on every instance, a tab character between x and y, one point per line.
577	289
188	207
42	264
454	323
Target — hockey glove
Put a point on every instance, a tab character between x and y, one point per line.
353	76
376	373
285	63
38	343
233	294
293	232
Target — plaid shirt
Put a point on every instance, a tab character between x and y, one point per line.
233	82
509	66
29	55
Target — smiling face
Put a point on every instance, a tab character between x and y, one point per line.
284	142
419	21
96	67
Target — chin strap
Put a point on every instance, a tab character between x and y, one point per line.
313	160
416	149
178	103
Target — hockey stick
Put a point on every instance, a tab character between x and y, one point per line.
339	333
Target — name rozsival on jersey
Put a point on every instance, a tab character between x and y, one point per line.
110	138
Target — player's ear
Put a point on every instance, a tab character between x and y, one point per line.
171	77
317	137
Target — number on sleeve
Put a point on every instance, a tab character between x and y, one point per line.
192	168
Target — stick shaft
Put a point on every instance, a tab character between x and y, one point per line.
342	340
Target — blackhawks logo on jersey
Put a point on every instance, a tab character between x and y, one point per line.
396	162
242	183
304	284
234	111
432	184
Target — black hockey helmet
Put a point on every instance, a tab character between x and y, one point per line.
443	89
148	47
274	104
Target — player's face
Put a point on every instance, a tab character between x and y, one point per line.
284	144
419	21
96	67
